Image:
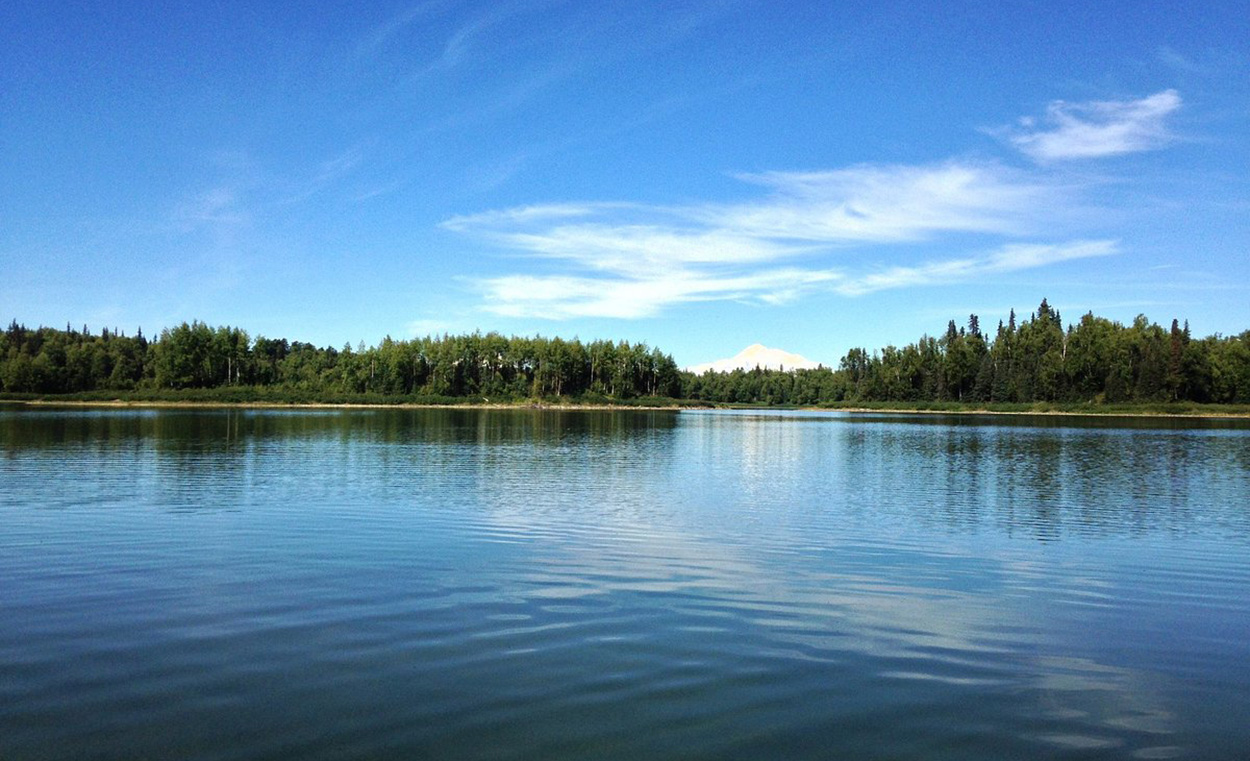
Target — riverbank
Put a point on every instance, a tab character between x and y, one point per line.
205	404
194	400
1151	409
117	403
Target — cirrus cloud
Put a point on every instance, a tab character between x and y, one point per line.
812	231
1009	258
1095	129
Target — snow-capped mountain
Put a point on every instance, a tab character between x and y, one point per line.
756	355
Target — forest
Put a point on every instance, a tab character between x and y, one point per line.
197	356
1038	359
1093	361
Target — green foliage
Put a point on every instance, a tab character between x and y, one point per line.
1036	361
1095	363
194	361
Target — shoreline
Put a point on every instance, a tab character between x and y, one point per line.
536	406
573	407
1049	413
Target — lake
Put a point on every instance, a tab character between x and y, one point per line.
531	584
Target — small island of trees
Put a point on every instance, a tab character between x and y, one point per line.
1094	361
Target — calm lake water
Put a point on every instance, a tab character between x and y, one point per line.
459	584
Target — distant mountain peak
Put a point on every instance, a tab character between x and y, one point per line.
757	355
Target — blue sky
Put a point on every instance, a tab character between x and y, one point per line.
696	175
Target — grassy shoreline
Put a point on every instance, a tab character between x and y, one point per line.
248	399
122	404
214	398
1144	409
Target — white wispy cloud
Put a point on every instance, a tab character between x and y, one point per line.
1207	64
488	220
470	41
215	207
1009	258
385	32
560	297
1096	128
810	231
876	204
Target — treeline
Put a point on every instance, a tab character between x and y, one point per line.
1094	360
196	356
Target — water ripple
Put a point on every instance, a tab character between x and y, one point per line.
481	584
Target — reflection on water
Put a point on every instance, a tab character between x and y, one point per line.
546	584
1043	481
222	428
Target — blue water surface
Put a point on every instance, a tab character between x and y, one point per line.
535	584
